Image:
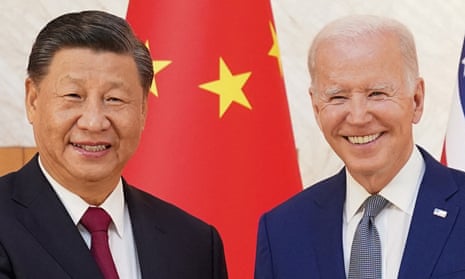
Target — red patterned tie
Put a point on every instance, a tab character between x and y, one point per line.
96	221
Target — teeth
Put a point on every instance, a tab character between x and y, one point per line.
363	139
91	148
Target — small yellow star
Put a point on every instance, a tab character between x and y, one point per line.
274	51
229	88
158	66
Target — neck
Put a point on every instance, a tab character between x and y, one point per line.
94	193
372	184
375	180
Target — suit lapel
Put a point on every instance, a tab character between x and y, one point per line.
328	231
428	229
44	216
151	240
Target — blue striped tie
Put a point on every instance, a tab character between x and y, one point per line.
365	256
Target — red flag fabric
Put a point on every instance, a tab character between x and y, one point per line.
218	140
453	153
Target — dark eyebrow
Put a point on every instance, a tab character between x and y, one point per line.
81	82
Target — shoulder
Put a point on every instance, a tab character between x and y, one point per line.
7	187
332	188
7	181
161	225
17	183
163	214
436	170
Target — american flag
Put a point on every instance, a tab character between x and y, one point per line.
453	154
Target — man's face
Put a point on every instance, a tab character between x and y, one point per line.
87	114
364	105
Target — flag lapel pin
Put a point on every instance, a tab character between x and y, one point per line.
440	212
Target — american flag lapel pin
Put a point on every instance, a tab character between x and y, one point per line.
440	212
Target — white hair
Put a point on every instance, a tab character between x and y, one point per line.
356	26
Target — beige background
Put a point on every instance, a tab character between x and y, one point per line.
12	158
438	26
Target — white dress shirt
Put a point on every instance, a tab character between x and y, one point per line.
120	235
393	221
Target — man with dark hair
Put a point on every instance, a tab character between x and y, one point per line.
68	213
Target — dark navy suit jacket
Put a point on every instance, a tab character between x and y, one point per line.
302	238
38	238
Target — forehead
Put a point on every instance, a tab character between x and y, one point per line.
76	54
87	63
362	48
369	59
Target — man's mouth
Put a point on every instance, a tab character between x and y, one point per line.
92	148
363	139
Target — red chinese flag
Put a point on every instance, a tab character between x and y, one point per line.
218	140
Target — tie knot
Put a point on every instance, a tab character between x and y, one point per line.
374	204
96	219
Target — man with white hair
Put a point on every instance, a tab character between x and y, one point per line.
393	211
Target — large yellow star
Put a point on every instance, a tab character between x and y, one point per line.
274	51
229	88
158	65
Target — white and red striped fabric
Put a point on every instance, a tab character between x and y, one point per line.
453	154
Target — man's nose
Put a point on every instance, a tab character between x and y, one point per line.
359	111
93	117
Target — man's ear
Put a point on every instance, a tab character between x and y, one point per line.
145	108
418	100
32	92
316	109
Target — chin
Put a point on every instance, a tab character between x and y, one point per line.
364	168
94	174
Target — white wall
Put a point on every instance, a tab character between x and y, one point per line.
20	21
438	26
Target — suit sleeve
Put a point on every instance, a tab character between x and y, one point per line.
263	259
219	262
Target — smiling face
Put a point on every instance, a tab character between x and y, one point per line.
87	113
365	106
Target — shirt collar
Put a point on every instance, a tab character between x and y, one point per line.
401	191
114	204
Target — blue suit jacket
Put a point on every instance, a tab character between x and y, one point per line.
302	238
38	238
